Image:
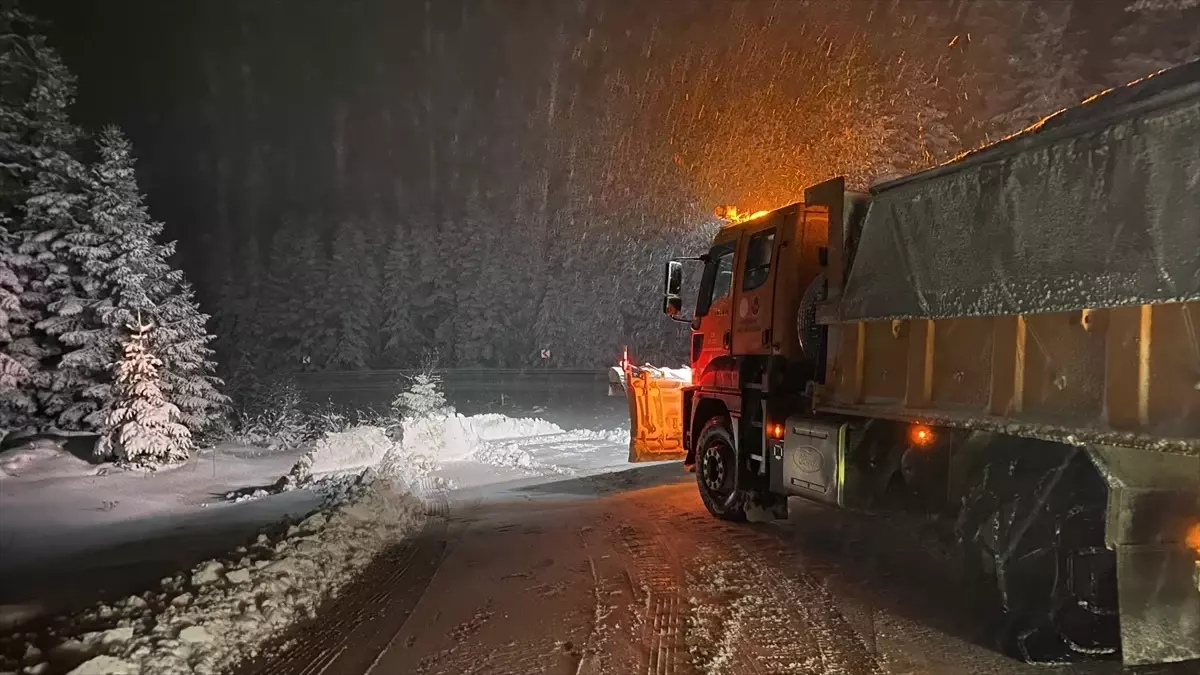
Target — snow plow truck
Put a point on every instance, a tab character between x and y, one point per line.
1010	341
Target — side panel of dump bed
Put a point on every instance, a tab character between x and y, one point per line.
1125	376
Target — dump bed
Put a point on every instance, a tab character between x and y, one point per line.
1047	285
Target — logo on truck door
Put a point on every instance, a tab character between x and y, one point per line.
808	459
748	308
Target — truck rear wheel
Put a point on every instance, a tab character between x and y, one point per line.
716	466
1032	528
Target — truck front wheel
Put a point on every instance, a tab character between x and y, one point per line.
716	467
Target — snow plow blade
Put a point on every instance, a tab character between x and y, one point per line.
655	417
1153	513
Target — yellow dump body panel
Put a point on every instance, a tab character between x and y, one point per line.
656	417
1128	375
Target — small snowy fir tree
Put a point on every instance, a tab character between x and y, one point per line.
143	427
423	398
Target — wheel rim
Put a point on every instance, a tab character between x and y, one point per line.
717	469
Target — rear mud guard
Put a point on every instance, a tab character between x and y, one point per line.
1154	501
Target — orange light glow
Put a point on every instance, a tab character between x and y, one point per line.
733	215
1193	538
921	435
775	431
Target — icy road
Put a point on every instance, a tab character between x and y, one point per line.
624	572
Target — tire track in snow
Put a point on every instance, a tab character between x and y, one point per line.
663	607
751	597
367	614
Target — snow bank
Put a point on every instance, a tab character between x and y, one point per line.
222	611
683	374
528	444
43	458
410	452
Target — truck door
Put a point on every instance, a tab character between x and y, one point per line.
711	335
754	289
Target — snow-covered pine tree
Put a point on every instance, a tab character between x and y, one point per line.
493	322
143	286
143	427
1157	35
354	287
189	377
238	324
314	343
1046	69
89	347
441	307
433	248
41	199
282	302
294	298
16	403
377	245
397	297
473	335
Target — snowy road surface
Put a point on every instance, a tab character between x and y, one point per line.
624	572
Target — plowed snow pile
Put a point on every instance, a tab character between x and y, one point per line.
532	445
220	612
410	452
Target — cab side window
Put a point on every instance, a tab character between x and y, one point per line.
718	278
758	260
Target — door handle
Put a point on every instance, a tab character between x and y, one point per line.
725	340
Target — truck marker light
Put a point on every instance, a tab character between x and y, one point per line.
921	435
775	431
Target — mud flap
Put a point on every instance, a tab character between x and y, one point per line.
1154	498
655	417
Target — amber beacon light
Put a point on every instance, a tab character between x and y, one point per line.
921	435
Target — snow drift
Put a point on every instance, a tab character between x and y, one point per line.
221	612
410	454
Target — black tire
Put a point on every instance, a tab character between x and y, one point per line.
715	467
1032	530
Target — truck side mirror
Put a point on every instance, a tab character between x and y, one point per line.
673	289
